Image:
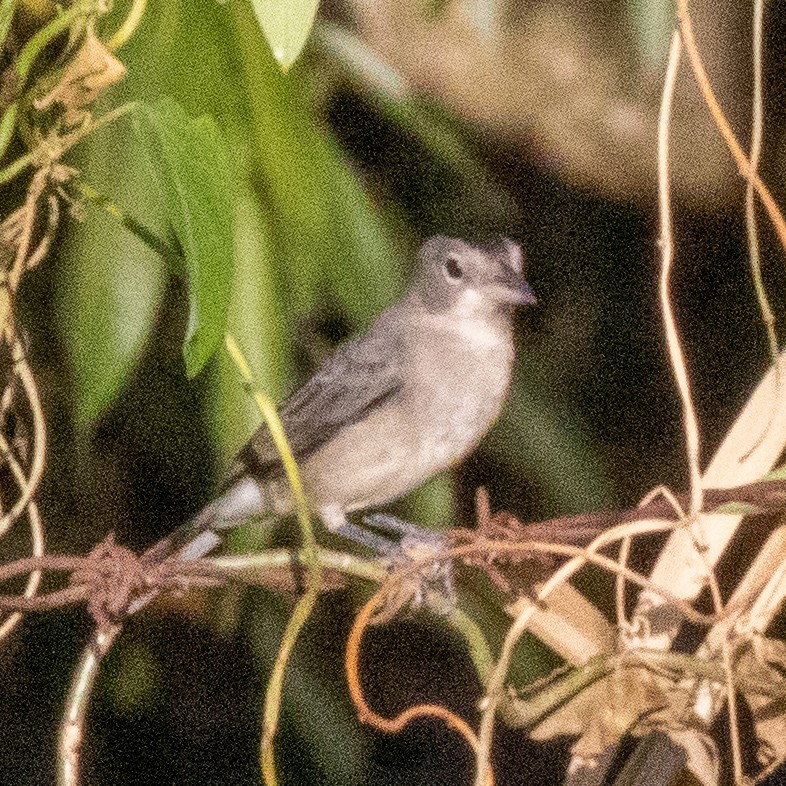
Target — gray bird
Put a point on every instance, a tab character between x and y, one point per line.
390	408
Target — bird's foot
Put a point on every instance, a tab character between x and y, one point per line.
411	545
379	544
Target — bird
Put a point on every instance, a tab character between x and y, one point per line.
388	409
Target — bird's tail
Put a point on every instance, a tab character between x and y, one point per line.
200	535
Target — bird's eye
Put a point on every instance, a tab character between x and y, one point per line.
453	269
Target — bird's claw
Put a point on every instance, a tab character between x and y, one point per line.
433	583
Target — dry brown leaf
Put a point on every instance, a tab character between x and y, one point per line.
749	451
91	71
770	721
635	701
762	665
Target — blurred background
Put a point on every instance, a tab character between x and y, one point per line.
402	119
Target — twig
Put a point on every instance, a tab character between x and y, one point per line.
496	683
581	557
667	255
34	47
51	600
145	234
34	579
773	211
72	728
681	375
306	603
238	565
52	220
587	555
757	131
52	150
27	214
394	725
52	562
27	483
552	692
622	623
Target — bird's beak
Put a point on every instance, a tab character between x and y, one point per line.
512	288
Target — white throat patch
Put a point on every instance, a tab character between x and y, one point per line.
473	322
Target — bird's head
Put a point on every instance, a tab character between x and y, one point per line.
455	275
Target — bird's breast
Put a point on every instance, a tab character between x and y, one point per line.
459	388
453	389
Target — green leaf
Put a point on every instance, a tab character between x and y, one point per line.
259	321
652	22
331	242
543	432
738	509
779	473
464	198
109	284
432	504
286	25
191	163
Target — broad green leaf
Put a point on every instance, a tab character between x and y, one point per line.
433	503
331	243
191	163
258	321
286	25
463	196
544	433
109	282
652	22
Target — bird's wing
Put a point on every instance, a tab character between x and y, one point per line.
358	377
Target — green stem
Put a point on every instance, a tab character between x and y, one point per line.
48	33
129	26
276	684
245	566
479	649
7	125
7	8
169	254
549	695
305	605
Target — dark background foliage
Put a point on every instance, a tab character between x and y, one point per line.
336	180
